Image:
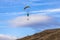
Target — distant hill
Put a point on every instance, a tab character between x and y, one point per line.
51	34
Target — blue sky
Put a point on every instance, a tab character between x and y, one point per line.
44	14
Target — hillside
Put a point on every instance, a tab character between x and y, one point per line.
51	34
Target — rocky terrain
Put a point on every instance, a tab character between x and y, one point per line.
51	34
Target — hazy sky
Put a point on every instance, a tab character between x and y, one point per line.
44	14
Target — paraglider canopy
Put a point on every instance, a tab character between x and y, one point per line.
26	7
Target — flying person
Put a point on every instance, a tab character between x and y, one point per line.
27	12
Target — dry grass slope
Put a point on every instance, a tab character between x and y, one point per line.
53	34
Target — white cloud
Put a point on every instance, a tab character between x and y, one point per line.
6	37
53	10
45	3
34	18
47	11
22	20
41	12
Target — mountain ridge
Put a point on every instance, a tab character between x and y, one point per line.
50	34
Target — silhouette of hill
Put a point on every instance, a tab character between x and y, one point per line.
51	34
